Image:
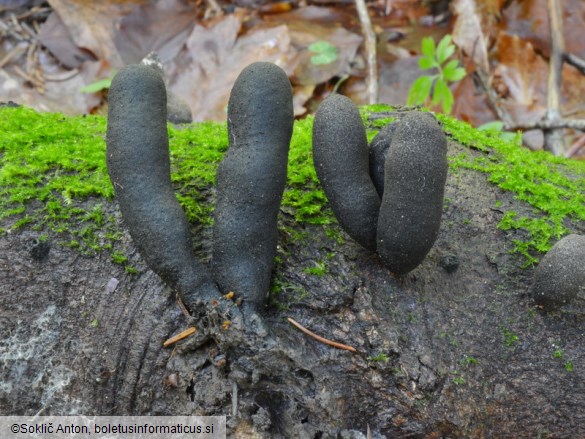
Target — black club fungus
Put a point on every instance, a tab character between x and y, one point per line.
250	181
340	154
561	273
415	172
139	167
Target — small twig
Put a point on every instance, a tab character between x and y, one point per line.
234	399
575	124
576	147
575	61
370	44
319	338
213	10
27	77
13	54
31	58
33	11
63	76
180	336
387	7
553	138
492	95
183	308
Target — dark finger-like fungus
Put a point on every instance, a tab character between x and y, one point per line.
139	168
250	181
378	148
340	154
178	110
560	273
415	172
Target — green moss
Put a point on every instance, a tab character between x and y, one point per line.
53	178
130	270
48	163
367	110
382	357
51	165
284	294
553	186
119	258
510	338
303	195
318	269
195	155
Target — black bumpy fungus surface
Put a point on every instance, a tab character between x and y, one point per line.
139	167
560	273
415	172
250	181
38	249
405	165
378	148
177	109
450	263
340	154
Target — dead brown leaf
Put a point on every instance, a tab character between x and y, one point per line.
396	79
162	27
91	25
471	32
311	24
63	97
521	78
56	37
572	92
471	104
204	72
529	20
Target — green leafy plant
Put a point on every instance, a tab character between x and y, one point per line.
435	57
97	86
325	53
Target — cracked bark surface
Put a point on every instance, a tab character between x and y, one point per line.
465	354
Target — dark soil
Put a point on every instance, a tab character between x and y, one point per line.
459	354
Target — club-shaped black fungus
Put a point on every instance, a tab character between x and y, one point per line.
139	167
250	181
378	148
340	155
415	172
560	273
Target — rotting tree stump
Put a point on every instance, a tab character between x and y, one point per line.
439	354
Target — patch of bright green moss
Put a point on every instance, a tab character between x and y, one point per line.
303	194
195	155
553	186
319	268
50	164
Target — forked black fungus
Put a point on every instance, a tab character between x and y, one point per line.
378	149
402	226
139	167
406	165
340	155
250	181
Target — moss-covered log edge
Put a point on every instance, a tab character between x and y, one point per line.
53	179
